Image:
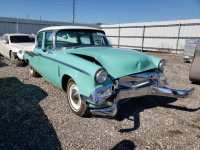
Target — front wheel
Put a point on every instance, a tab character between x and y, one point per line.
74	99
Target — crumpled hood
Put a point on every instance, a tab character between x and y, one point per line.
24	46
118	62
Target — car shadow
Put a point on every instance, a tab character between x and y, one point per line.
124	145
194	82
131	109
23	124
2	64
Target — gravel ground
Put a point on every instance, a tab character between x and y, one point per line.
34	115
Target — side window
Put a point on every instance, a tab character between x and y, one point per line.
49	40
98	40
5	38
39	40
85	39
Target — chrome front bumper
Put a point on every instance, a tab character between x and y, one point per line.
129	93
141	84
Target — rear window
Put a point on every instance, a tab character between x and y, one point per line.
21	39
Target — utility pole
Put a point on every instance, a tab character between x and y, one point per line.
73	16
27	16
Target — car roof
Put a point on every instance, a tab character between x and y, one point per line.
68	27
17	34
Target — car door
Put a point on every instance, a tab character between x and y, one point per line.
46	62
5	46
36	59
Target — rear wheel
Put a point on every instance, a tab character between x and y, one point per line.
32	71
74	99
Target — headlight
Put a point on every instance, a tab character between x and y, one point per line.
101	76
21	51
162	65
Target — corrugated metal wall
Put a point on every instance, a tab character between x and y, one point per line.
16	25
159	36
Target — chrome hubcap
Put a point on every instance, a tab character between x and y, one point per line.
31	70
74	97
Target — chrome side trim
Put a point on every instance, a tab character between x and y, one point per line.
58	71
73	67
63	63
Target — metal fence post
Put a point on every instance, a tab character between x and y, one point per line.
17	29
143	33
119	36
177	41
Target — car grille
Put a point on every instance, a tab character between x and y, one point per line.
137	80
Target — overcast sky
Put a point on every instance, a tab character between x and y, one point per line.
104	11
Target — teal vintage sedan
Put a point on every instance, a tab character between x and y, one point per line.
95	76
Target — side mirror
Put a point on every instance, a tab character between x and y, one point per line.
44	49
4	41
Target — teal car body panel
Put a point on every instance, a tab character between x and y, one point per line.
119	62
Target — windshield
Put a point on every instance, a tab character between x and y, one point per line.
21	39
69	38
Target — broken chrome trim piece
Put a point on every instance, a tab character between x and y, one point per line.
129	93
153	90
105	112
164	91
95	99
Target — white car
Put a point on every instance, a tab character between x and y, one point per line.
13	46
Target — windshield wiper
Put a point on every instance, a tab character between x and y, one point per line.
77	46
